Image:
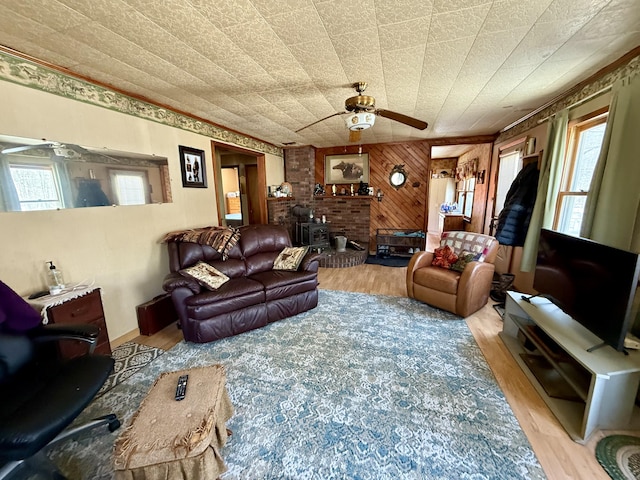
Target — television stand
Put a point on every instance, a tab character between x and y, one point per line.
584	390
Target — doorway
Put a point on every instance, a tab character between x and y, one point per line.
240	179
231	192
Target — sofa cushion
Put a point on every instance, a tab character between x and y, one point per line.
237	293
436	278
206	275
290	258
281	283
291	290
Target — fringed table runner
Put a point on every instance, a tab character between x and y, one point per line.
222	239
169	439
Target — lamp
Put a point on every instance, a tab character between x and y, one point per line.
360	121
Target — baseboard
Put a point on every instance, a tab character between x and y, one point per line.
127	337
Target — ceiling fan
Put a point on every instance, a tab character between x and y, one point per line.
362	114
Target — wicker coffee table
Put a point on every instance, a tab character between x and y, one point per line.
177	439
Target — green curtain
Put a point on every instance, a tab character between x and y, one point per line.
612	211
548	188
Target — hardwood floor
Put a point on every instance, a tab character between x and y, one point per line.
560	457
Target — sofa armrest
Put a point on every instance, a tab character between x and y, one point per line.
310	262
174	281
474	287
418	260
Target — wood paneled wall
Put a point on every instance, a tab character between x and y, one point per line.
403	208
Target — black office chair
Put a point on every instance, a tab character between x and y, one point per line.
41	393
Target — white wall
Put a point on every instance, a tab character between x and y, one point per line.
117	247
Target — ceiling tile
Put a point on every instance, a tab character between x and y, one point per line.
509	14
13	23
96	8
572	10
227	13
444	6
313	52
298	26
457	24
340	17
268	8
410	33
50	13
396	11
353	45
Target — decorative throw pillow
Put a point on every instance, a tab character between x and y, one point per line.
206	275
464	258
290	258
444	257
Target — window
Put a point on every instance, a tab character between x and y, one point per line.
508	169
466	188
585	141
130	186
36	185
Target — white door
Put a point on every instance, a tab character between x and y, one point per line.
441	190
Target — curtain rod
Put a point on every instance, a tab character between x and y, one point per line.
579	102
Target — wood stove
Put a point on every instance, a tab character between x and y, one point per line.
315	235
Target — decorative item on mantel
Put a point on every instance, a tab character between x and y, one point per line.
363	189
319	189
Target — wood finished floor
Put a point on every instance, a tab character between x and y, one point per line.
560	457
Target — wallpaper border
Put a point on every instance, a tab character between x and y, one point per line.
30	74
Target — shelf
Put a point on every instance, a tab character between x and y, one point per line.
344	197
557	362
567	368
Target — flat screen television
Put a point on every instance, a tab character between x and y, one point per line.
593	283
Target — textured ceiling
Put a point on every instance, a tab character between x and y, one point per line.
269	67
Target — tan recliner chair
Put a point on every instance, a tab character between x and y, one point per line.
462	293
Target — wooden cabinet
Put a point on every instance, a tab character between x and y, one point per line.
233	204
451	222
85	309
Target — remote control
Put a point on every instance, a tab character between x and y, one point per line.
181	388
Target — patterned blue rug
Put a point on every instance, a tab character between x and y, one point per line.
362	387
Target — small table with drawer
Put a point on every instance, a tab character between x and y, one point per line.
84	309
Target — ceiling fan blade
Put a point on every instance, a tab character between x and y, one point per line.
24	148
355	135
321	120
398	117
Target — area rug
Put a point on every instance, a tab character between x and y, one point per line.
362	387
129	358
619	455
388	262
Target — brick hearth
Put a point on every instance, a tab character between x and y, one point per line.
350	258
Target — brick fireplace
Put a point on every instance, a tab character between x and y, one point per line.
346	215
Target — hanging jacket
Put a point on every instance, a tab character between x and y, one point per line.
513	221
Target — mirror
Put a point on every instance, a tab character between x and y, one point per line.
397	177
50	175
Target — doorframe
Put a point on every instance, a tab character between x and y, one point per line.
262	179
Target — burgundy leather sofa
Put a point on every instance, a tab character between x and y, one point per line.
255	293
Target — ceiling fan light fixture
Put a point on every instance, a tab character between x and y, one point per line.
360	121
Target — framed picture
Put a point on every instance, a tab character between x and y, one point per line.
194	173
346	168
